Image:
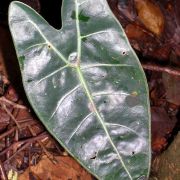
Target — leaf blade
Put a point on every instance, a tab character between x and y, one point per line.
74	80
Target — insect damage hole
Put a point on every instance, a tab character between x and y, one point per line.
94	157
124	53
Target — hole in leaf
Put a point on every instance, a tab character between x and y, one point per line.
124	53
94	157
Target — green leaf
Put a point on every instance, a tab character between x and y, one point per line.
87	86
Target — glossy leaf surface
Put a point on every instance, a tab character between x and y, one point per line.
87	86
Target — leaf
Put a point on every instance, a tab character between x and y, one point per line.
150	15
86	85
66	168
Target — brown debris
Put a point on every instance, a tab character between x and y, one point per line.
26	135
163	113
156	25
3	174
162	127
150	15
158	68
167	165
67	168
23	140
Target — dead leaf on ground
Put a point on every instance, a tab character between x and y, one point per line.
150	15
67	168
157	21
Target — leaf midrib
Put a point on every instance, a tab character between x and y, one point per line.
82	79
88	93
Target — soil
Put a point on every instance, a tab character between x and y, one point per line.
26	148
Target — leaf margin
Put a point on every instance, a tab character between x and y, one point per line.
78	71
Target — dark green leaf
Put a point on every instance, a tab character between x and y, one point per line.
87	86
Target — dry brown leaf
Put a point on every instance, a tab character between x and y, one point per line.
150	15
134	32
67	168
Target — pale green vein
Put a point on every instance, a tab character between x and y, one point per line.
87	91
77	128
83	82
51	74
92	34
105	65
36	45
78	32
62	99
80	4
119	125
110	94
49	43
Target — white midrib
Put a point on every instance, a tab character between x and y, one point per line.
87	91
78	32
83	81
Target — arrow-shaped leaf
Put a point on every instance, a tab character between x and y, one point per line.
87	86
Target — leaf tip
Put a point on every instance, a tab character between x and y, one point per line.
12	9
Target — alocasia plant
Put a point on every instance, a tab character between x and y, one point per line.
87	86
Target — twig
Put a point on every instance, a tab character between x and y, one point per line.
3	172
50	156
26	143
25	120
23	125
19	150
7	133
158	68
16	139
15	105
19	143
56	145
12	117
7	144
